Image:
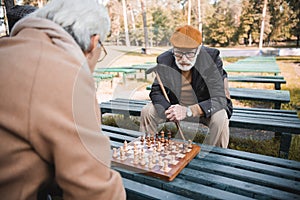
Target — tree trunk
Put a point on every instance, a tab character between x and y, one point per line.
263	25
199	17
125	24
145	27
133	23
189	11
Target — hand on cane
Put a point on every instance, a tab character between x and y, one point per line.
176	113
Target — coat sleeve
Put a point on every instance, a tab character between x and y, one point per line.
66	134
211	69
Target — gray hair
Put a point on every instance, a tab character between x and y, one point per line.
81	19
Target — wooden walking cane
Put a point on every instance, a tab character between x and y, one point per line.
166	96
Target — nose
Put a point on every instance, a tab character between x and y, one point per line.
184	58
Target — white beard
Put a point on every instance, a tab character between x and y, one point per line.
188	65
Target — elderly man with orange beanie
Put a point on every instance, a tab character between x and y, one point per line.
191	85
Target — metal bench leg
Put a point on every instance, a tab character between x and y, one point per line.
285	143
277	105
277	86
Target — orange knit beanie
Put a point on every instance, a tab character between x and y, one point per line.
186	37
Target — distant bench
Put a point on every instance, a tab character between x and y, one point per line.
221	174
124	72
274	96
253	68
98	77
282	121
276	80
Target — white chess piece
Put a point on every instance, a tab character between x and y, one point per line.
160	161
165	168
143	161
115	153
190	144
125	145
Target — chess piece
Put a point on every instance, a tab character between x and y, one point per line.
162	139
143	161
169	135
190	144
160	161
150	163
142	139
122	153
172	159
159	147
125	145
165	168
153	158
135	159
170	146
165	150
115	153
184	148
134	146
152	139
156	137
177	147
154	150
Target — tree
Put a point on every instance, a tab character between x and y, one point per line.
221	24
251	21
279	21
114	9
144	14
295	18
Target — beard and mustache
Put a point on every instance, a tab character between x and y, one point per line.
186	64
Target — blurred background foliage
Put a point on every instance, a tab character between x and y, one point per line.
223	22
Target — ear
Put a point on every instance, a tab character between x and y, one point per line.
93	43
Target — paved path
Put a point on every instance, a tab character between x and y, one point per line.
115	52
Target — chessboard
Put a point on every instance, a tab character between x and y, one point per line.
158	156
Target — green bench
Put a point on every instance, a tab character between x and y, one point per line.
276	80
285	122
254	65
274	96
215	173
98	77
124	72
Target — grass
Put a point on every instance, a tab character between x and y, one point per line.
250	144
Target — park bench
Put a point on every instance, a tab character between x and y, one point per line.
276	80
116	70
99	77
215	173
274	96
252	68
139	67
256	64
285	122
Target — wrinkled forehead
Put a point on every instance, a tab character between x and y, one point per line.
185	49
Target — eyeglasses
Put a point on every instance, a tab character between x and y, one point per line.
180	54
102	55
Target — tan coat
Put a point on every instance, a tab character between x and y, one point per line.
49	120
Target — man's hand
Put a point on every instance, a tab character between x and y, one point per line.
176	113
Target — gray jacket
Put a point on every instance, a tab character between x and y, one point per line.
207	82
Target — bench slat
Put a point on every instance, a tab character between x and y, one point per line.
254	166
135	190
246	175
291	164
233	185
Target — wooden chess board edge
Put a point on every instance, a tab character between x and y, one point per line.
167	176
